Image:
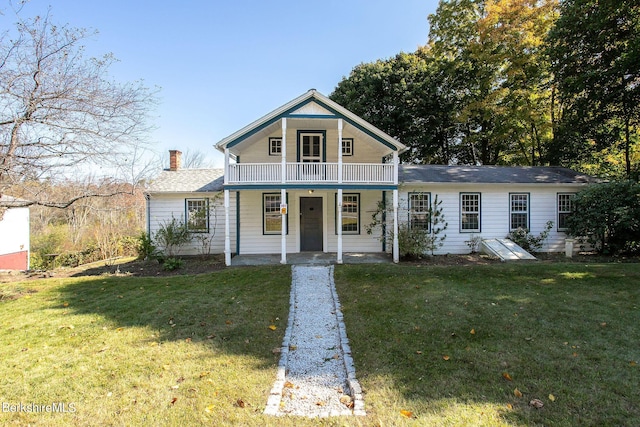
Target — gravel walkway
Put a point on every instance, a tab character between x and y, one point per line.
316	376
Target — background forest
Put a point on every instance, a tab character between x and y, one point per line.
498	82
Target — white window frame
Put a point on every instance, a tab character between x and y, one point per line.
347	146
311	158
564	209
348	212
467	209
192	207
275	146
419	206
516	199
271	210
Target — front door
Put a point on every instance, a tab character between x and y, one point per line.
311	224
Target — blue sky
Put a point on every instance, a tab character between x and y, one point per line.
223	64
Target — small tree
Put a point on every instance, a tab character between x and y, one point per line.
607	216
437	226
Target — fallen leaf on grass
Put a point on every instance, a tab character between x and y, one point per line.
445	357
241	403
228	322
552	398
346	400
174	400
209	409
418	352
276	350
66	327
633	363
273	327
472	332
517	393
187	339
204	374
506	376
406	414
536	403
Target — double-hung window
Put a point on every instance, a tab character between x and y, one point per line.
518	211
197	213
419	204
350	214
271	214
564	209
470	212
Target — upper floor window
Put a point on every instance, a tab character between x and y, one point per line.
419	204
197	213
275	146
347	146
518	211
470	212
564	209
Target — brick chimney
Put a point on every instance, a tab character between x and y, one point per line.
175	160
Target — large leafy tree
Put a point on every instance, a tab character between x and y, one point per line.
61	114
595	55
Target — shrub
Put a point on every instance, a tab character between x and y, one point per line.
172	235
172	263
607	216
527	241
412	242
145	247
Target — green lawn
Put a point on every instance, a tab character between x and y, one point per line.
197	350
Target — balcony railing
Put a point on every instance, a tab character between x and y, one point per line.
269	173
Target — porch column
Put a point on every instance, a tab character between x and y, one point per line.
284	150
283	194
226	166
339	151
396	245
283	248
339	225
227	233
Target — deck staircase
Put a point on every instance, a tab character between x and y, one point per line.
505	250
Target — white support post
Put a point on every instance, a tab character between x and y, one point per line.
339	151
284	150
339	225
396	163
226	166
227	233
396	245
283	248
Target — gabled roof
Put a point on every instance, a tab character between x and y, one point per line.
311	104
414	174
188	181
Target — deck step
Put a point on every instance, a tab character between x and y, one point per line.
504	249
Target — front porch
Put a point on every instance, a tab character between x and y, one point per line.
312	258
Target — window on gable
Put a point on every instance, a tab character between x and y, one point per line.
347	146
419	204
275	146
564	209
272	217
470	212
518	211
197	215
350	214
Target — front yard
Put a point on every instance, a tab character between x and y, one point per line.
433	345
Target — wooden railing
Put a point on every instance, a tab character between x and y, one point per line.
263	173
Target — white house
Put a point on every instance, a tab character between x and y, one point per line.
309	176
14	235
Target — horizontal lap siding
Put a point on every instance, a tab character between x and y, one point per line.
163	207
361	242
494	212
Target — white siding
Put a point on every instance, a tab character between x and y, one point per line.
14	229
162	207
253	241
494	211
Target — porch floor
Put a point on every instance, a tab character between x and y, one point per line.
313	258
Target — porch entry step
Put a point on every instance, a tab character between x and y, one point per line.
504	249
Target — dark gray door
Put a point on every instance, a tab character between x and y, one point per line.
311	224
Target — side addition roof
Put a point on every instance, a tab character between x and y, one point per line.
188	181
302	107
414	174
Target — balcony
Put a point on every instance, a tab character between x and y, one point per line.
312	173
